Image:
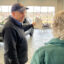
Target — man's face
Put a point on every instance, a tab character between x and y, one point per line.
20	15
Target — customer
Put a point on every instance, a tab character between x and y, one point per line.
53	52
14	38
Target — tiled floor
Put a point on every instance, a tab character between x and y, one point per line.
40	37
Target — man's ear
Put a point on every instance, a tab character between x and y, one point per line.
13	13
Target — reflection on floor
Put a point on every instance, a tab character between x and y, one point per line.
40	37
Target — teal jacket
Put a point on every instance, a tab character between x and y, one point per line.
52	53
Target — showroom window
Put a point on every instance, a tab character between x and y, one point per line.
34	13
4	13
43	13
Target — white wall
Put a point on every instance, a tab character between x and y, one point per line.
59	4
7	2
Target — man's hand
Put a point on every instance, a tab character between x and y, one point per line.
33	23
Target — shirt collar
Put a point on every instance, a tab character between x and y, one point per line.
17	22
56	41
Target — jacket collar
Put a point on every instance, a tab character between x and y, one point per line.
56	41
15	21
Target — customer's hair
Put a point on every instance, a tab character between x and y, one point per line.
58	25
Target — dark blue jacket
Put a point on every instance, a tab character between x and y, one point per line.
15	42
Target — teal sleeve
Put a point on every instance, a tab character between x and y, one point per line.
38	57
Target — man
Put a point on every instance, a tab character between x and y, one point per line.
14	38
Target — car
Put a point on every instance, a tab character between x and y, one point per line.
25	22
46	25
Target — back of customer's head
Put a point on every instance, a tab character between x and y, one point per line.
58	25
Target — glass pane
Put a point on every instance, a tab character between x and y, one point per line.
4	8
43	9
30	9
0	9
37	9
9	8
51	9
5	11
